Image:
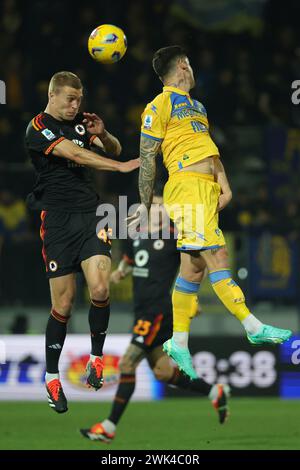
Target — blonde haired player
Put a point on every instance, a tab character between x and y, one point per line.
58	142
176	125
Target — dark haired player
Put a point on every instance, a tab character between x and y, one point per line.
153	264
176	125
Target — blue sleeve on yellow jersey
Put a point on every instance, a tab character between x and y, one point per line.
155	118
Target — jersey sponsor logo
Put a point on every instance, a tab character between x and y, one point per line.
80	129
158	244
148	122
78	142
187	112
140	272
48	134
53	266
180	105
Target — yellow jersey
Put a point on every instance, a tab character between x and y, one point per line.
181	124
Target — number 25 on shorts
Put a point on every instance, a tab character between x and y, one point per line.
142	327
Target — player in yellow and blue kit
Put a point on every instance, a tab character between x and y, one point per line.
177	126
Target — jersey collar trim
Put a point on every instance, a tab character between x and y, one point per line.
175	90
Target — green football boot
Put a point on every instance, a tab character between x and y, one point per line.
270	334
181	356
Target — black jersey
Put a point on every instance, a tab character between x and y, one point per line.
61	184
155	264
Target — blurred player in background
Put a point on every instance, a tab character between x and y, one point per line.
58	142
153	264
177	125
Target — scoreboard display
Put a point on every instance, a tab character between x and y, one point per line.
266	370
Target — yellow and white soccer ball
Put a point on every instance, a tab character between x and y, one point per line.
107	44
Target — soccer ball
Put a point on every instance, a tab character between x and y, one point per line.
107	44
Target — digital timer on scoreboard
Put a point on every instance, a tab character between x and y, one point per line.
267	370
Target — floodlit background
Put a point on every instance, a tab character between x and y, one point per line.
245	56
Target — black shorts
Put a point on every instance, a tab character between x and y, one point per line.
69	239
152	328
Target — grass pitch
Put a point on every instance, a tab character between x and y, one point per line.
169	424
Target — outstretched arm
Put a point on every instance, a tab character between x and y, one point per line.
149	148
67	149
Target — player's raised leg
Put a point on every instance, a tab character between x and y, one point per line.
165	371
185	307
105	430
233	298
96	270
62	290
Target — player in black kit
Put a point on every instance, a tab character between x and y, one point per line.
58	141
154	264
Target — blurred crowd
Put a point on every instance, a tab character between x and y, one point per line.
243	77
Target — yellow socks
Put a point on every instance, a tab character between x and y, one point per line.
185	300
185	304
229	293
